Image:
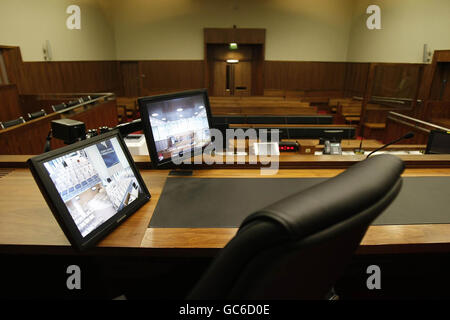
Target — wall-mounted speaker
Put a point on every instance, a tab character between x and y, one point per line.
47	51
426	54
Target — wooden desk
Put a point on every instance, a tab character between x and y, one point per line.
27	225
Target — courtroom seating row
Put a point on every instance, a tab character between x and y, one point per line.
269	111
255	119
259	106
255	102
348	111
127	109
298	131
303	94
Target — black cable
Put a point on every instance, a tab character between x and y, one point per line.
47	147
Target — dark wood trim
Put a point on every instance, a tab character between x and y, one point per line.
238	35
294	161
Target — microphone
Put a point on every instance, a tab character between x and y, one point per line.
359	150
409	135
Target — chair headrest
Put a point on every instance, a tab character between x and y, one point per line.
336	199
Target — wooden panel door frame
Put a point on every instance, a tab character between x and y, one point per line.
243	36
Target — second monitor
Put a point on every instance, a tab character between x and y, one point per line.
176	126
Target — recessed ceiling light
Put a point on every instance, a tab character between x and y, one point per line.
180	109
155	114
163	119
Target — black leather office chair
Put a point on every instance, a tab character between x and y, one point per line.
297	248
11	123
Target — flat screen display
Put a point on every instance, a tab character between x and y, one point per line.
176	125
95	183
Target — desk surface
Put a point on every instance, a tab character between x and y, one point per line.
26	221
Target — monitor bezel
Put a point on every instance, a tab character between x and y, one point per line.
431	136
59	209
147	128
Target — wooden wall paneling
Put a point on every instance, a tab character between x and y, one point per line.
258	70
9	103
90	76
218	35
238	35
304	76
389	77
440	88
396	128
66	76
13	63
442	55
130	78
103	114
355	79
366	97
174	75
3	73
222	52
438	113
430	88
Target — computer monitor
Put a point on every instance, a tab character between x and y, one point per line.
438	142
91	186
176	126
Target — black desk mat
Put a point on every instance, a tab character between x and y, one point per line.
225	202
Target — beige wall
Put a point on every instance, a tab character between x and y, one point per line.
406	26
29	23
303	30
310	30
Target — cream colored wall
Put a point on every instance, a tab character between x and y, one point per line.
302	30
29	23
406	26
309	30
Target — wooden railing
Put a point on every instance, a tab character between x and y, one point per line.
30	137
399	124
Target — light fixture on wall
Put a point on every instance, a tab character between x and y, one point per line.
233	46
232	61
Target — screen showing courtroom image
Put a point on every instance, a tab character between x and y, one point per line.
179	125
95	183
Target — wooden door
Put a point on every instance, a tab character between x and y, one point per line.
242	78
232	79
221	79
